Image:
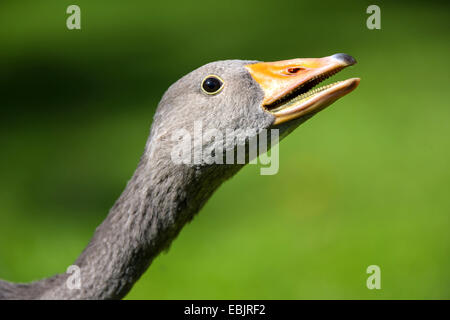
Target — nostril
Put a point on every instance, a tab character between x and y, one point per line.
294	70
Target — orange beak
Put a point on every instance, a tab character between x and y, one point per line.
288	85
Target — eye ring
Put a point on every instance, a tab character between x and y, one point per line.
215	83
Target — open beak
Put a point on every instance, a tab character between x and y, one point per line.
289	85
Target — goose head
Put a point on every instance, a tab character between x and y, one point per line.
233	101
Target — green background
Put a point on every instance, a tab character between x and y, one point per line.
365	182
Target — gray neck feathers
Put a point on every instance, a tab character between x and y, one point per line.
158	201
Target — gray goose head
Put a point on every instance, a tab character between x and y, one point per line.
242	99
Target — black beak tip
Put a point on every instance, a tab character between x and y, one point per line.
344	58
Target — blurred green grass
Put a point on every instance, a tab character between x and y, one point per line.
364	182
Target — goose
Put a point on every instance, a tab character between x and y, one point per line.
163	195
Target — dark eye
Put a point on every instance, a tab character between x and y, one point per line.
212	84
